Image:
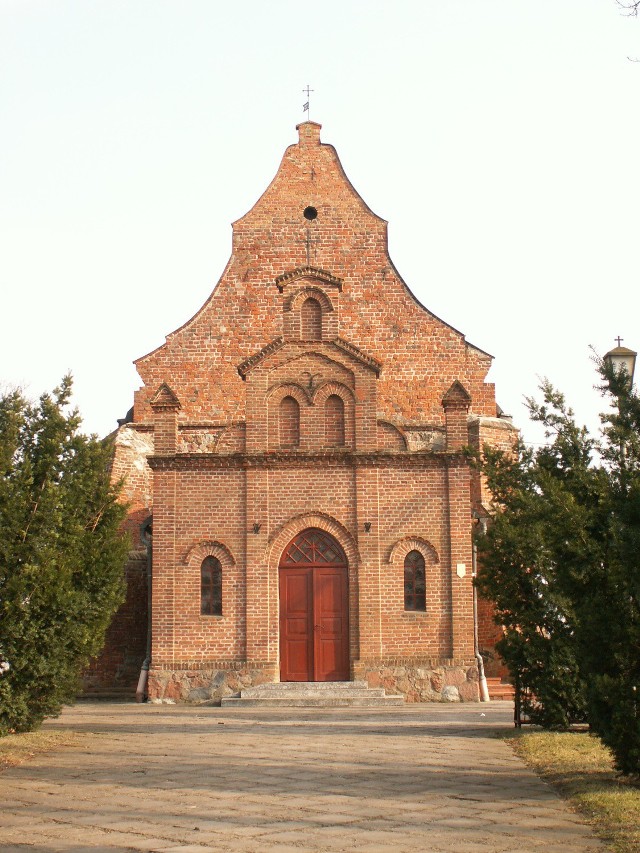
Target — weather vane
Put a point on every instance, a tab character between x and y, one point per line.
307	91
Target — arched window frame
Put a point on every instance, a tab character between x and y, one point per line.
319	400
292	307
195	557
311	319
397	556
415	582
289	422
211	586
334	421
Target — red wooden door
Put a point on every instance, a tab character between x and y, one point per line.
314	609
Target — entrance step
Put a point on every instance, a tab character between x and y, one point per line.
317	694
108	694
499	689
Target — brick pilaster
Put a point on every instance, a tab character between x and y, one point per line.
369	586
262	591
456	403
459	486
165	406
163	639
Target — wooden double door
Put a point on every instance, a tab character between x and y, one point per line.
314	609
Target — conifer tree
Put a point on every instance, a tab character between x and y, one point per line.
61	555
561	561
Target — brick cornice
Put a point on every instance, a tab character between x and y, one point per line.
353	350
248	363
338	343
287	460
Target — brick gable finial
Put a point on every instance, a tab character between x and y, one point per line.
164	399
457	395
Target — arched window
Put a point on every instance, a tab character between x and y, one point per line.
211	587
334	421
311	320
289	422
415	584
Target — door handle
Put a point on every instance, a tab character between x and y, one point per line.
318	627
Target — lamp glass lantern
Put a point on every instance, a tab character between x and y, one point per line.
622	359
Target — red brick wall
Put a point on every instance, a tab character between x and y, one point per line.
222	485
375	309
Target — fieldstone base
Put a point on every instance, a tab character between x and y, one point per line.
200	686
425	681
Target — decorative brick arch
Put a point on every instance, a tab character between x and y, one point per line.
291	528
296	299
274	398
278	392
396	578
292	313
402	547
348	398
198	552
336	388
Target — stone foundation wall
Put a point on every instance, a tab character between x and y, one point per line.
427	681
205	685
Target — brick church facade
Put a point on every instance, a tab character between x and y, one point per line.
298	447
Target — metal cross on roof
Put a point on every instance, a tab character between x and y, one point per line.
307	91
619	340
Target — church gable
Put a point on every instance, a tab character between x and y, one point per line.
310	262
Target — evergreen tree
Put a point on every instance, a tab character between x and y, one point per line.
61	555
561	561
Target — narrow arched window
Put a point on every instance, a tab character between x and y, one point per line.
334	421
289	422
415	584
311	320
211	587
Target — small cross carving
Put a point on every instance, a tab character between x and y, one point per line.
309	243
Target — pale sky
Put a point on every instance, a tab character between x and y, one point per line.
499	138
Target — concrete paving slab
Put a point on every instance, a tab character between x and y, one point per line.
179	778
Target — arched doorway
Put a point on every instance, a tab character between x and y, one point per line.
314	609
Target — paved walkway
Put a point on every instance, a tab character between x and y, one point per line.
177	778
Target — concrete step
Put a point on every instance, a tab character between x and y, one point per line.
318	701
319	694
107	695
281	686
311	689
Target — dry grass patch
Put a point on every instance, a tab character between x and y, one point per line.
581	769
14	749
